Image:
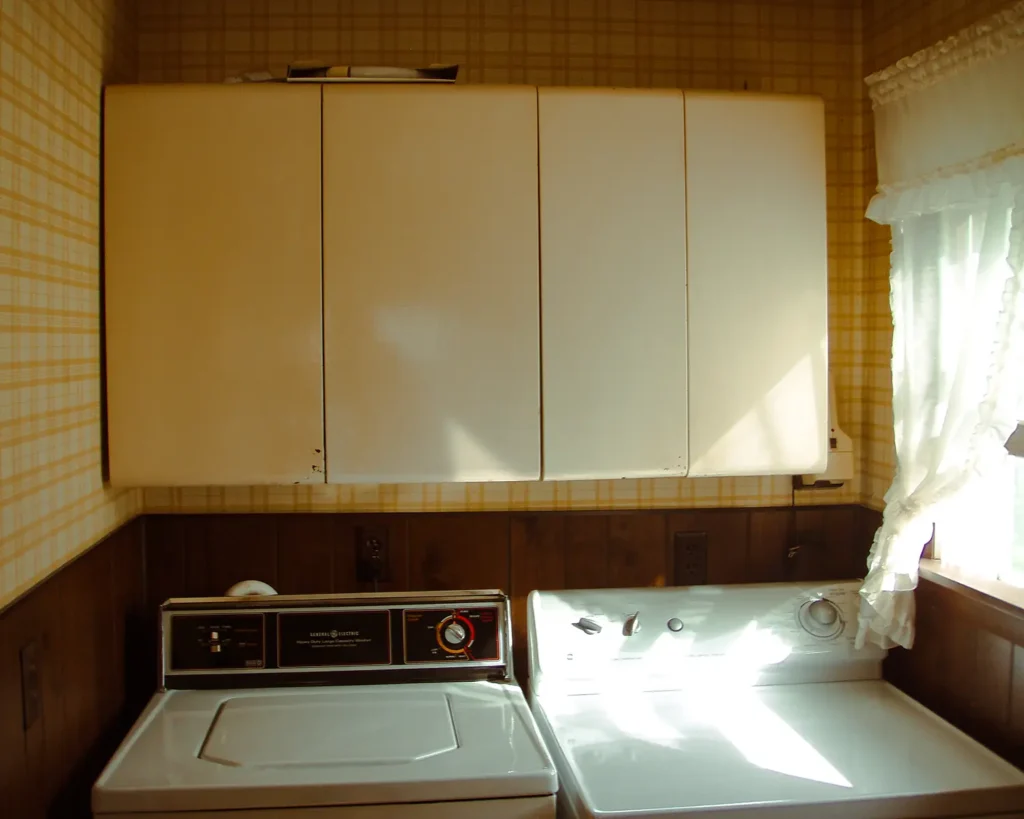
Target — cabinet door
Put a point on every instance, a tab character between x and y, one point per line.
613	248
755	183
213	314
431	311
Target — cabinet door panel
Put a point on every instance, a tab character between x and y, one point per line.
758	283
613	273
213	311
431	283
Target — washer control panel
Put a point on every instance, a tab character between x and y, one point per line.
308	639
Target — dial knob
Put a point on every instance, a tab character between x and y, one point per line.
821	618
454	634
587	626
823	612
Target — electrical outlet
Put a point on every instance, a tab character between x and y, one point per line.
373	558
690	552
31	693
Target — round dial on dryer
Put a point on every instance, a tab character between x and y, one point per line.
455	634
821	618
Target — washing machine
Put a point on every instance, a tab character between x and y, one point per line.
358	707
741	702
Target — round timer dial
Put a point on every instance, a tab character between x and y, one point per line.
455	634
821	618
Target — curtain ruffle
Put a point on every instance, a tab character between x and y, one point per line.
961	185
984	40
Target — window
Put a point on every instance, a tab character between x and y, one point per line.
981	530
951	186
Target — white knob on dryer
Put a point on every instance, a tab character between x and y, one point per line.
823	611
821	618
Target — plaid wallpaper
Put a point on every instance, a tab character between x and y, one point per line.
54	59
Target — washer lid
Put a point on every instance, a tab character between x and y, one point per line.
381	744
376	729
849	750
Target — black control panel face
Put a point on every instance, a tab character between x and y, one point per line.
437	635
313	639
212	642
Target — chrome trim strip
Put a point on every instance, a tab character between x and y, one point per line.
278	601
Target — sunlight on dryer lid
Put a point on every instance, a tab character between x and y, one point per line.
768	742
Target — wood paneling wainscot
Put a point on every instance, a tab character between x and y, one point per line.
83	632
195	555
967	665
90	630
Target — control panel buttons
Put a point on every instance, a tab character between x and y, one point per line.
217	642
821	618
675	624
632	624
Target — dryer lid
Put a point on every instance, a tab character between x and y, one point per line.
846	750
381	744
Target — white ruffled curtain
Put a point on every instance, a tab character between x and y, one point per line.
950	143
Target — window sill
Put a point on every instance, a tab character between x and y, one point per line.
994	593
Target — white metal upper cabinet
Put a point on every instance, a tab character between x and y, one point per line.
613	282
213	310
432	362
758	279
